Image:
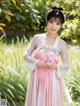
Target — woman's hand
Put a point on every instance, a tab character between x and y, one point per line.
52	65
41	64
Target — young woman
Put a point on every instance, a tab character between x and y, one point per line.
47	58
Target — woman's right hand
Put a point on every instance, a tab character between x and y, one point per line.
41	64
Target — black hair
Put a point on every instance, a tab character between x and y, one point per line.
55	12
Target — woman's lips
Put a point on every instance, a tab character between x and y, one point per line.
53	30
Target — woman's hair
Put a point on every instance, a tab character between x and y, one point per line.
55	13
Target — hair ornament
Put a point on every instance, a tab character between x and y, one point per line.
55	9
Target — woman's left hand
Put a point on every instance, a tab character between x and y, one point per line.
51	65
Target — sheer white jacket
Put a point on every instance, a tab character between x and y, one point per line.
59	47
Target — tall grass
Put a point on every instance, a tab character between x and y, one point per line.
14	74
73	76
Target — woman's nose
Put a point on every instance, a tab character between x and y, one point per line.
54	25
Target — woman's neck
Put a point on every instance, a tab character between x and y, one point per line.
51	35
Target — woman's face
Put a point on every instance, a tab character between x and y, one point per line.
54	25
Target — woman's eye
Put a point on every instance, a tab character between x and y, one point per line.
58	23
51	21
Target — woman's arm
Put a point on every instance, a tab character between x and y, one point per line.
63	67
31	61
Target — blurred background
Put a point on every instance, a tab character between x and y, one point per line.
19	21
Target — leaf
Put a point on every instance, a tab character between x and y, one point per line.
1	28
2	24
11	86
78	13
8	12
17	7
21	87
14	2
8	17
10	92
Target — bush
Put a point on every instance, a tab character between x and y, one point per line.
71	31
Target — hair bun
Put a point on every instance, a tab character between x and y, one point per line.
55	9
61	9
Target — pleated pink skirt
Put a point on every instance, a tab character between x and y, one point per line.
45	88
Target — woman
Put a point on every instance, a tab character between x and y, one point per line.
47	58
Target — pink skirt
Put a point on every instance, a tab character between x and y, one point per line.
45	88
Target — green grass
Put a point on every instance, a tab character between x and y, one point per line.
14	74
73	76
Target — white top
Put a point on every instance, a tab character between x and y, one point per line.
59	47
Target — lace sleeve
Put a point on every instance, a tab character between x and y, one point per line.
63	67
31	61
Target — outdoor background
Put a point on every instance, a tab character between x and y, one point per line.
19	21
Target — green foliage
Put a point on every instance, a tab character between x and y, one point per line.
19	14
29	16
71	31
2	30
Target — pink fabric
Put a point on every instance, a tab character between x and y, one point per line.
45	89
